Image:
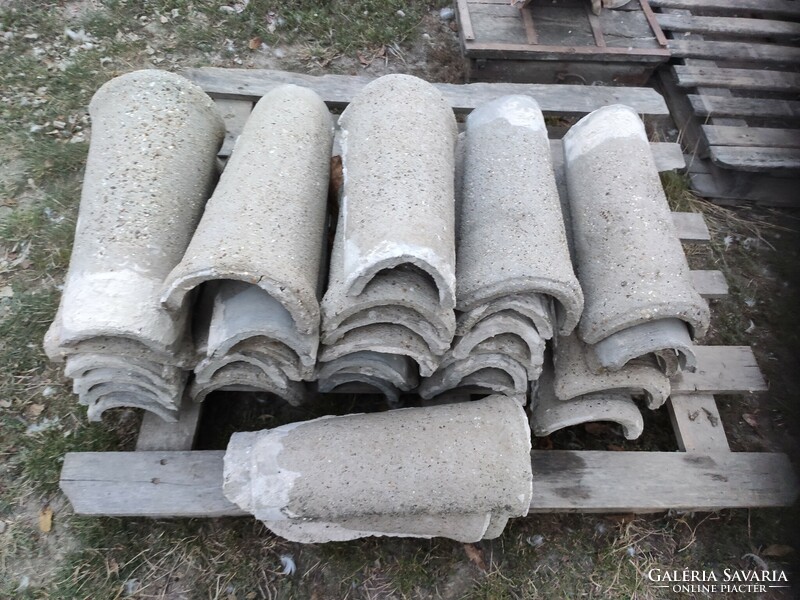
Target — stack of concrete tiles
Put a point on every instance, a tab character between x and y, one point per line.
516	285
391	289
642	310
258	253
151	167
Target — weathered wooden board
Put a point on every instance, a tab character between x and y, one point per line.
721	370
711	285
761	54
745	158
156	434
189	484
744	79
764	8
697	424
338	90
729	26
712	106
575	53
720	135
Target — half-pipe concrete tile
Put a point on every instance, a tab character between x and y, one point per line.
127	400
536	307
514	347
265	222
456	469
629	259
398	370
207	368
149	172
343	379
246	377
504	322
78	365
165	394
398	142
94	389
512	237
668	340
549	414
386	339
452	373
574	377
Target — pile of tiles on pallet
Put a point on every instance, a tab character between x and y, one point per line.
458	265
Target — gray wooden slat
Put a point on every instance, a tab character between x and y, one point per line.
721	370
156	434
189	484
737	79
711	106
756	159
711	285
573	53
696	423
729	26
691	227
720	135
338	90
761	189
735	51
764	8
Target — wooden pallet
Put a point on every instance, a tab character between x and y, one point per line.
165	477
734	95
559	41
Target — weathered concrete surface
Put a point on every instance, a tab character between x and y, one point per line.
245	377
574	377
265	222
454	373
343	380
150	169
512	237
630	262
549	414
127	400
668	340
455	470
165	376
534	307
398	140
398	370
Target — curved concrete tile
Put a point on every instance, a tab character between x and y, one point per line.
150	169
573	376
329	384
630	262
504	323
78	365
396	369
206	369
386	339
246	377
265	223
126	400
95	389
452	373
512	237
549	414
306	480
534	307
398	141
167	395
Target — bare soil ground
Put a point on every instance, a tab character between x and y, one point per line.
53	56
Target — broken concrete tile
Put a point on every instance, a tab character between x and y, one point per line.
630	262
248	378
265	222
453	372
512	236
455	470
398	370
397	201
573	377
386	339
135	222
534	307
549	414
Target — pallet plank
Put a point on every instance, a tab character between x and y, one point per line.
745	158
338	90
744	79
721	135
764	8
691	227
156	434
189	484
721	370
713	106
735	51
729	26
697	424
711	285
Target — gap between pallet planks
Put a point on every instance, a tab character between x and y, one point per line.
163	479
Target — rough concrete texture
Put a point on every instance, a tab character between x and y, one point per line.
512	346
127	400
265	223
166	376
535	307
573	377
398	141
630	262
512	237
668	340
398	370
386	339
455	470
453	373
84	384
245	377
150	169
242	311
343	382
549	414
207	368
